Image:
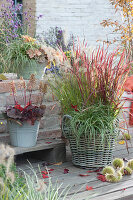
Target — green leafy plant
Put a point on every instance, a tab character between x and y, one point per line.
16	57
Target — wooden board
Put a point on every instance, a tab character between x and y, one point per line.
101	190
41	145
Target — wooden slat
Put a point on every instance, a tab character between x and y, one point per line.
41	145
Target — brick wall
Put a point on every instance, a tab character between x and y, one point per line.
82	18
50	123
29	7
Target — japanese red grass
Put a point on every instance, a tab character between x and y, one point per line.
91	90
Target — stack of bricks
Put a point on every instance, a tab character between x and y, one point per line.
49	124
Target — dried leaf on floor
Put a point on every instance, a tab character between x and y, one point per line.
89	188
66	171
60	163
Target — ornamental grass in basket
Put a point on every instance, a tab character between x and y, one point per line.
90	91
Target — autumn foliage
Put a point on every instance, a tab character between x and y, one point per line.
123	26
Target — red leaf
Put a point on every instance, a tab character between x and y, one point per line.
66	171
84	175
99	173
97	170
48	142
123	189
89	188
18	107
44	176
74	107
45	172
90	171
50	170
101	178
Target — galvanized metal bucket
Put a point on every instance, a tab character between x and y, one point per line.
86	154
23	136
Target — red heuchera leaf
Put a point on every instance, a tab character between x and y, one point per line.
66	171
18	107
84	175
48	142
89	188
101	178
74	107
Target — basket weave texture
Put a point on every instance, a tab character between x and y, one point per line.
89	155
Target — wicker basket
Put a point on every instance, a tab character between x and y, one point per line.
85	154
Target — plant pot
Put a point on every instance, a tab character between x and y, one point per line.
36	69
23	136
86	154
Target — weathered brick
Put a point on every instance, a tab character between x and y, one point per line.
2	100
35	98
51	122
53	109
50	134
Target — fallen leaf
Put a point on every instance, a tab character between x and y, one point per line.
48	142
89	188
123	189
66	171
90	171
121	142
50	170
99	173
44	176
101	178
60	163
97	170
44	172
84	175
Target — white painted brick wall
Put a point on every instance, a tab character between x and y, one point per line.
80	17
